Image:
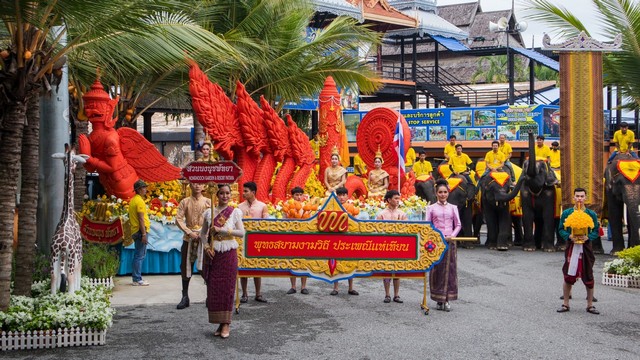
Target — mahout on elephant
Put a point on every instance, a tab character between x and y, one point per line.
622	187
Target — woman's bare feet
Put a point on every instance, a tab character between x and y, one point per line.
224	331
217	332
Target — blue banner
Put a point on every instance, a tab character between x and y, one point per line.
473	123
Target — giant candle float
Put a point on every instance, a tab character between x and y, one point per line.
329	123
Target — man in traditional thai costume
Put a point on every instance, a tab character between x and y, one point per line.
391	212
140	226
578	227
443	278
554	156
623	138
252	208
189	219
505	148
343	195
422	166
335	176
297	193
220	265
378	178
450	148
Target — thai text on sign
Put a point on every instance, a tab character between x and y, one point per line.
99	232
221	172
332	246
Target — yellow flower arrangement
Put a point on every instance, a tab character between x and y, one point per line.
579	222
313	187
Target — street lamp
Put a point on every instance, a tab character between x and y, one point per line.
503	26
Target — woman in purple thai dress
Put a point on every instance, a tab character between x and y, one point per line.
444	277
220	266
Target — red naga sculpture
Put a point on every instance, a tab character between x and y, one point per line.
278	141
119	156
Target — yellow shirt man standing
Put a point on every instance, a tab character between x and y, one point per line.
554	156
140	226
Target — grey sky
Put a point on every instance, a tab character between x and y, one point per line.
582	9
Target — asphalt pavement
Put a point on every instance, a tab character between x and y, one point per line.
506	310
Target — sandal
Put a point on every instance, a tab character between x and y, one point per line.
334	292
244	299
593	310
291	291
304	291
565	308
387	299
397	299
259	298
353	292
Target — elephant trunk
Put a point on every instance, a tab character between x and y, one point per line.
531	165
511	194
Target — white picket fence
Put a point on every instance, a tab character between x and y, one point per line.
621	280
42	339
107	282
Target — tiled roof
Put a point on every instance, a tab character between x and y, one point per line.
338	7
429	24
459	14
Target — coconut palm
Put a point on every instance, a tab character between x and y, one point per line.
32	57
493	69
616	17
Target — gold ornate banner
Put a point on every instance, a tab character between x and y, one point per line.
581	126
333	246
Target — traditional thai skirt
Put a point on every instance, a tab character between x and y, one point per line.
443	283
220	275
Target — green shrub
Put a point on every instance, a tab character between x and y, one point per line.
631	254
41	267
99	260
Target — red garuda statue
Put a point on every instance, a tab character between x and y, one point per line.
119	156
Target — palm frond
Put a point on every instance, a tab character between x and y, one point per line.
559	20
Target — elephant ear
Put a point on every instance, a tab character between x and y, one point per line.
630	169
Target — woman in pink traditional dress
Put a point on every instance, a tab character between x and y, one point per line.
444	277
220	266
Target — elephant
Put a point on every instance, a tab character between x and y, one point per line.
496	193
538	201
425	188
622	187
515	207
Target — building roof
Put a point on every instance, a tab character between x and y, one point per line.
429	24
381	11
460	14
481	35
338	7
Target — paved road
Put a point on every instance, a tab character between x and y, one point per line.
506	310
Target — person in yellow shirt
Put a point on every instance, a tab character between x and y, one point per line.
505	148
410	159
459	163
554	156
494	159
624	139
359	167
422	166
450	148
542	150
140	225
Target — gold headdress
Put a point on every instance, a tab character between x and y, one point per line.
207	141
379	155
335	151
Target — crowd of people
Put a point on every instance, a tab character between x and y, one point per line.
210	232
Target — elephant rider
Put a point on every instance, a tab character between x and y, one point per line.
450	148
410	159
624	139
506	149
422	166
459	162
494	159
554	156
542	151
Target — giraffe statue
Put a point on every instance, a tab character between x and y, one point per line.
66	244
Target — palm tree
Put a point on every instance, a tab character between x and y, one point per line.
617	17
493	69
279	62
31	58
